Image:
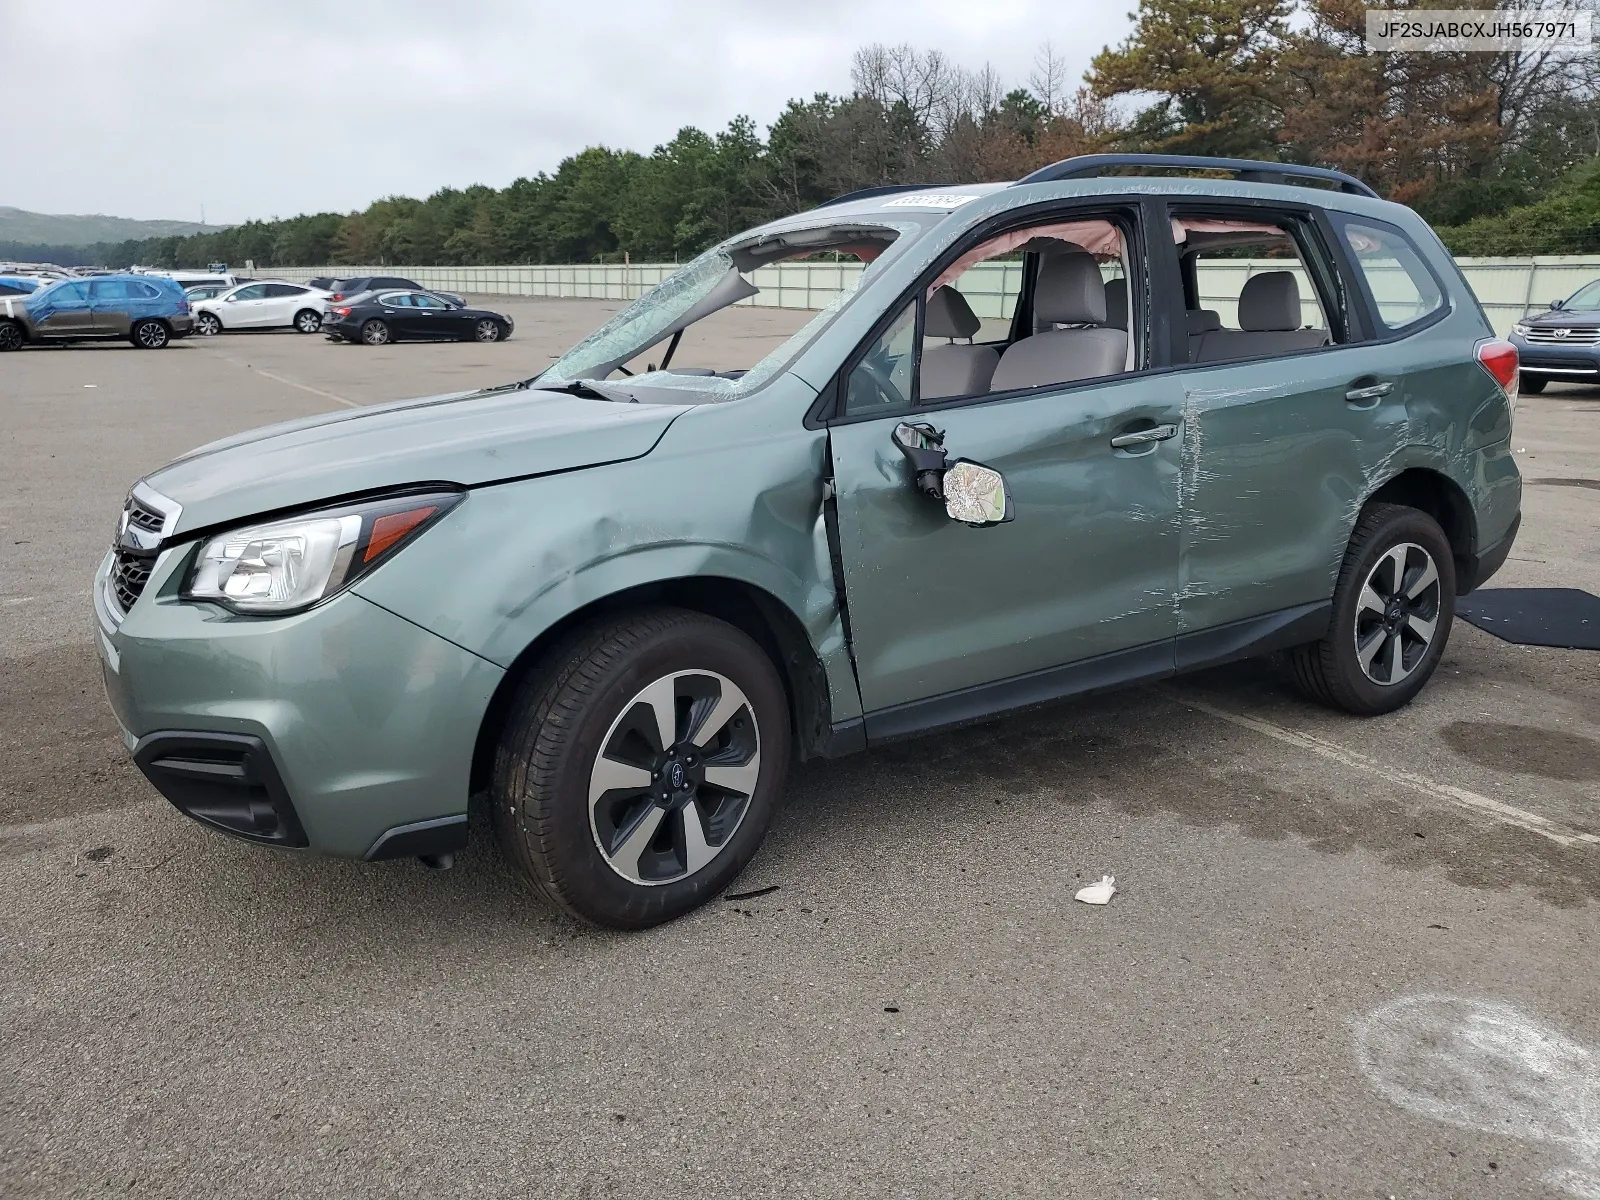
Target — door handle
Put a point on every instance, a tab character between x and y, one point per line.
1157	433
1373	391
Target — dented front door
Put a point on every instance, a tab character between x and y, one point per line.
1088	565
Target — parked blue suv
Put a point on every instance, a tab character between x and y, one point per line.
1562	345
147	310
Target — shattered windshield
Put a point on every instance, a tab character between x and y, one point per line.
683	334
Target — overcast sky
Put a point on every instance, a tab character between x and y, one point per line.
153	109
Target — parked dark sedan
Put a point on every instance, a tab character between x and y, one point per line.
1562	345
412	316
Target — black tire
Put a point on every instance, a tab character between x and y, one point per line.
149	335
11	336
574	707
208	324
307	321
488	330
375	333
1532	386
1330	671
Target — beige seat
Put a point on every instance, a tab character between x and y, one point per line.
1269	323
951	369
1069	291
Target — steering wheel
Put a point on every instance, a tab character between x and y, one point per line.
881	381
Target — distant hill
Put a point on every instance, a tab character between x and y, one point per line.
17	225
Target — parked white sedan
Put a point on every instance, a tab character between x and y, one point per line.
262	305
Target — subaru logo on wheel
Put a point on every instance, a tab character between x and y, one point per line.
676	777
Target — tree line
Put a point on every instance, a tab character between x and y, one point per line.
1500	151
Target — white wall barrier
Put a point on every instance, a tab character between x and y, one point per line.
1508	288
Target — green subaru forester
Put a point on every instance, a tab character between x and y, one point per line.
1103	425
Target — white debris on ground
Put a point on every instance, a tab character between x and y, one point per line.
1098	893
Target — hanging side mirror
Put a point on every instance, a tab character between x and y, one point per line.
923	446
972	493
976	495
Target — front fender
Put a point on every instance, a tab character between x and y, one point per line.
514	559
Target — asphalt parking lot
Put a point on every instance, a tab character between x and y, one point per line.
1348	958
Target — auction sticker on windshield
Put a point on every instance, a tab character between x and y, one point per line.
937	200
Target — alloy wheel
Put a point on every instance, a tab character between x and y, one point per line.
207	324
375	333
10	336
674	777
487	331
308	322
152	335
1397	614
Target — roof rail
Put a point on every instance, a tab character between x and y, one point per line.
1088	166
888	190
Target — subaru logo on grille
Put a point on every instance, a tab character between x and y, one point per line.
1561	333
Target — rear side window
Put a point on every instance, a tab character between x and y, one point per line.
1403	290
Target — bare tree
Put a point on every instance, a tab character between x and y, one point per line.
1048	81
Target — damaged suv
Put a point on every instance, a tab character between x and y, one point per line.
1103	425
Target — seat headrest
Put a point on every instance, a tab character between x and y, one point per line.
1070	291
948	315
1203	320
1269	303
1117	304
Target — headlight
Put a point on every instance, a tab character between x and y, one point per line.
289	564
1520	330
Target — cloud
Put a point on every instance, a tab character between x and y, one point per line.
155	109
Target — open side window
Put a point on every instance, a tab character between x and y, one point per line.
1258	283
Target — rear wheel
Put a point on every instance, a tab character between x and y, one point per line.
375	333
207	324
487	330
149	335
1392	611
639	768
11	337
307	321
1532	386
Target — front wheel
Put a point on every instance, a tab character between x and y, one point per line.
639	768
307	321
11	337
1532	386
149	335
1392	610
487	331
207	324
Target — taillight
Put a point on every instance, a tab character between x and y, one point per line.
342	312
338	296
1501	361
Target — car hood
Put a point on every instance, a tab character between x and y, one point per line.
467	438
1564	319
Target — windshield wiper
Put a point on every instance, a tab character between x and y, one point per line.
588	388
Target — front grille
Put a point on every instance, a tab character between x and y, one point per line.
1564	337
139	536
128	577
144	518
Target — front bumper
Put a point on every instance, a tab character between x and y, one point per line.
1547	361
345	729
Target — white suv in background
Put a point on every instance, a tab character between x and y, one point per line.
262	304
